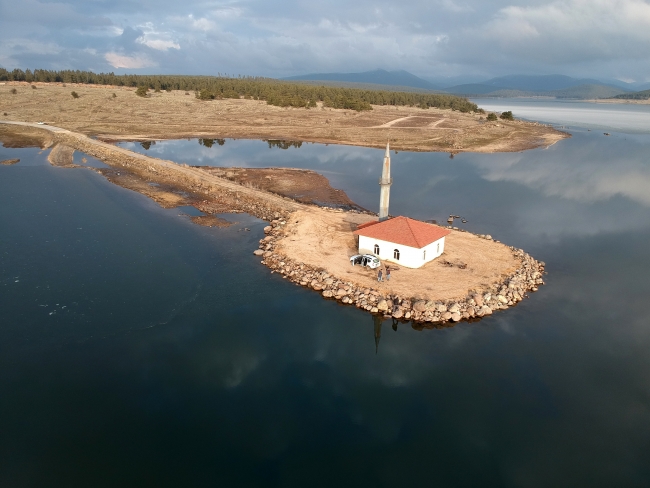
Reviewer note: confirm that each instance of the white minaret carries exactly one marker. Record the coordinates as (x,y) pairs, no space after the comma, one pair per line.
(385,183)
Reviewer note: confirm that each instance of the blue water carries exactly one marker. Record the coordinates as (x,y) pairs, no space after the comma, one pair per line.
(139,349)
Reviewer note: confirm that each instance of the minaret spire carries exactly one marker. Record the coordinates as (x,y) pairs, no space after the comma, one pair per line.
(385,183)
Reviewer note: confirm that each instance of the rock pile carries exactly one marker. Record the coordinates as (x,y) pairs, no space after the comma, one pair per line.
(528,277)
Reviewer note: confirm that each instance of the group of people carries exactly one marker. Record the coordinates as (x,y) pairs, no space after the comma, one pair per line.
(380,274)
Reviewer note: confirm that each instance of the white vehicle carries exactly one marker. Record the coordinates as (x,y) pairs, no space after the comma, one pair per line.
(368,260)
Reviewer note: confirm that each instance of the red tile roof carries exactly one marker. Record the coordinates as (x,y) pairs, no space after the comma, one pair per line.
(405,231)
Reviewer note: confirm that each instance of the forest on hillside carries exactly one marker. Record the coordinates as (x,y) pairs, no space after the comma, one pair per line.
(274,92)
(640,95)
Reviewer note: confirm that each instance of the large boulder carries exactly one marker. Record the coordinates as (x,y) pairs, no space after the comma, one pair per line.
(420,306)
(382,305)
(258,252)
(455,317)
(478,299)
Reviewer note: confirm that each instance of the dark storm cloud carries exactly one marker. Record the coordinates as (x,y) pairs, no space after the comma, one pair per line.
(431,38)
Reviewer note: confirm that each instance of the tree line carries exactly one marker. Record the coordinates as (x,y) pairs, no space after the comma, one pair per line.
(274,92)
(640,95)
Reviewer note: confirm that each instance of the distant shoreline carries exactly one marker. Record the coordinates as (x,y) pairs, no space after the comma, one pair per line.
(620,100)
(112,113)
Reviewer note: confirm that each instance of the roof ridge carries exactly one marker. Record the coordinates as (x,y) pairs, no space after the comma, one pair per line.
(415,234)
(408,224)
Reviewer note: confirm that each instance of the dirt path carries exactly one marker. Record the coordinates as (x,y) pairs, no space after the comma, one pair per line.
(391,123)
(193,178)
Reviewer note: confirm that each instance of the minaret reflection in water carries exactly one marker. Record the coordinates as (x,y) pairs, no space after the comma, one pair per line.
(378,321)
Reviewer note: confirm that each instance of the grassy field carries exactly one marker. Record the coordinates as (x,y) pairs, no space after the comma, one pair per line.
(116,113)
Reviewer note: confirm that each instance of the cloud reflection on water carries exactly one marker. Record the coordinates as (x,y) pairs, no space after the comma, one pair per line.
(585,170)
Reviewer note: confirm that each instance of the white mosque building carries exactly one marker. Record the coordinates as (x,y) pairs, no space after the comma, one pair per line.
(402,240)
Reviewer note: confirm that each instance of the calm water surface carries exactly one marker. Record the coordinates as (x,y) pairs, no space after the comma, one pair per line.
(138,349)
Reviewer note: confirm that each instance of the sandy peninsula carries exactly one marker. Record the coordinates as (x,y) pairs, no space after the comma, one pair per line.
(307,244)
(178,114)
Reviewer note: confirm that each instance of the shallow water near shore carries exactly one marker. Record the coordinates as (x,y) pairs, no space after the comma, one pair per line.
(137,348)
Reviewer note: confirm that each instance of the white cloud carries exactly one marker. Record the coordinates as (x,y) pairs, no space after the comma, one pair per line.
(158,44)
(202,24)
(592,28)
(129,62)
(155,39)
(452,6)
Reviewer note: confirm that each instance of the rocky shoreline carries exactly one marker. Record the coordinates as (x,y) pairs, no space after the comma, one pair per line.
(479,303)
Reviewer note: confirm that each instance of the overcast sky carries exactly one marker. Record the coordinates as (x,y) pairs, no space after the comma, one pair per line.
(430,38)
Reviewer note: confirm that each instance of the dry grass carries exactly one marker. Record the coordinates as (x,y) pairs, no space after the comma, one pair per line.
(169,115)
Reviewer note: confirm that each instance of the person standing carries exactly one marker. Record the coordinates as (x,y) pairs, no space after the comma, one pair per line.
(387,273)
(379,275)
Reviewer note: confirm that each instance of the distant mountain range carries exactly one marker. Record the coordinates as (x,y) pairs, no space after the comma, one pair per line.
(559,86)
(376,77)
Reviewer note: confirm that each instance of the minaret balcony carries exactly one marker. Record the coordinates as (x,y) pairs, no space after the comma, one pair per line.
(385,181)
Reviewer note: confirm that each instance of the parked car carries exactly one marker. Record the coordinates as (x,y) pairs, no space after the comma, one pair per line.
(368,260)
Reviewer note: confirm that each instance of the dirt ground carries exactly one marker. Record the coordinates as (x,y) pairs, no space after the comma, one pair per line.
(61,156)
(301,185)
(172,115)
(324,239)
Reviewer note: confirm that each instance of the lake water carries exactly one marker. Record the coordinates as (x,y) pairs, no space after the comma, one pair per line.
(139,349)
